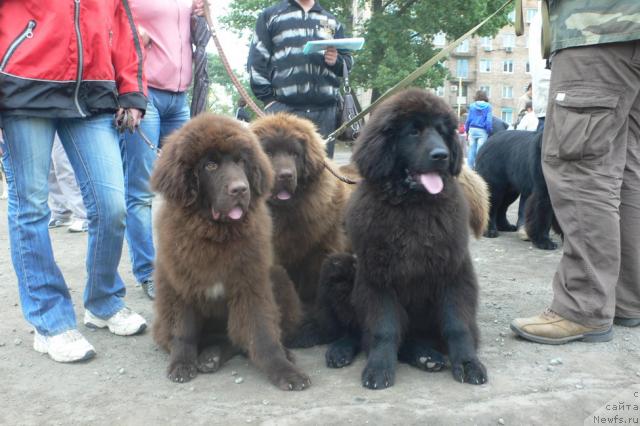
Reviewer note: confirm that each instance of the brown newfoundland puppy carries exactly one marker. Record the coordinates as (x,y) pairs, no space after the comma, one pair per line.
(410,294)
(307,202)
(214,292)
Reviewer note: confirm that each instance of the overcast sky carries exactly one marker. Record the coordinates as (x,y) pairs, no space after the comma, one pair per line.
(235,49)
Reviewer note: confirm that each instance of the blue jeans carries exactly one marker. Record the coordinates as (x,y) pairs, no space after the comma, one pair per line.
(166,112)
(477,137)
(92,147)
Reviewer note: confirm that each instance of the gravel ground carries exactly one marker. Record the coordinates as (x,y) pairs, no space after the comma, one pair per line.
(126,384)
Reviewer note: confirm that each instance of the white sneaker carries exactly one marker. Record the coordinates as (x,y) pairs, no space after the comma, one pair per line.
(79,225)
(69,346)
(125,322)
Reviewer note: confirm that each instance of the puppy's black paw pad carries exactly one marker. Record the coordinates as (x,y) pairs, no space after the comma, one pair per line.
(378,378)
(492,233)
(339,356)
(182,372)
(472,372)
(546,245)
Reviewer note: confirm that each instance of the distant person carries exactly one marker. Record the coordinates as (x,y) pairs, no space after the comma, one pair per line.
(241,112)
(479,125)
(529,120)
(284,78)
(48,85)
(65,198)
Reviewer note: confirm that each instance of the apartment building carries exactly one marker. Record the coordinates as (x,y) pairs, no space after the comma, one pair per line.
(498,65)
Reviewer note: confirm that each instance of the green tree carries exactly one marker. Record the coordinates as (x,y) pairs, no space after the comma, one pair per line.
(398,33)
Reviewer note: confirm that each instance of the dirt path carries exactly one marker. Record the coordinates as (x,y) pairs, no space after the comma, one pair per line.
(126,384)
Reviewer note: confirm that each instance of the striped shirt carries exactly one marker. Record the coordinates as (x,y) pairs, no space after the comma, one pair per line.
(277,67)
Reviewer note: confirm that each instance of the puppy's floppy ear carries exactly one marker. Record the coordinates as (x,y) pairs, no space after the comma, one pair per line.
(375,155)
(172,177)
(455,158)
(260,172)
(314,157)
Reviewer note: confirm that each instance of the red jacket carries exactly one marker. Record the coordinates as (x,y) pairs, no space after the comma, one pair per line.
(69,58)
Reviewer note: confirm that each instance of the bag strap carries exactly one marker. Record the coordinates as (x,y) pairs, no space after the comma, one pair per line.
(546,30)
(345,77)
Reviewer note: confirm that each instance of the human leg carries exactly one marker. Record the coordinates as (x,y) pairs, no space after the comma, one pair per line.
(584,153)
(628,288)
(44,296)
(474,136)
(92,147)
(138,160)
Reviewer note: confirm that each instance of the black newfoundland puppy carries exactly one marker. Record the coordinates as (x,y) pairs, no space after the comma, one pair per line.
(412,294)
(511,165)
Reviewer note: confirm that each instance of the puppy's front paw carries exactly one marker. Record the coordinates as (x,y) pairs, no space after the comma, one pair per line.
(472,372)
(182,372)
(209,360)
(340,354)
(378,376)
(291,379)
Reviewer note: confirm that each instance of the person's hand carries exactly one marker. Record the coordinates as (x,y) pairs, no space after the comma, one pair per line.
(330,56)
(198,7)
(128,118)
(144,36)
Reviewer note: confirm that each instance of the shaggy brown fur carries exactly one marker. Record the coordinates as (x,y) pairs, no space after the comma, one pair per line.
(307,202)
(476,191)
(214,295)
(410,294)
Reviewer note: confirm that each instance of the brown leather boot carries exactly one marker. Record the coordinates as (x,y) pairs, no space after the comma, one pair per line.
(551,329)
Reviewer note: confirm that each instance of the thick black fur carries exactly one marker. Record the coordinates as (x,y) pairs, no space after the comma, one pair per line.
(412,293)
(510,163)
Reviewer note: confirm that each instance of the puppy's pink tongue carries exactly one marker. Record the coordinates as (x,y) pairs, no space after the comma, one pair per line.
(283,195)
(432,182)
(236,213)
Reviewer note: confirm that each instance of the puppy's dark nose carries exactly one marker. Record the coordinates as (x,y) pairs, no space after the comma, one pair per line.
(237,188)
(439,154)
(285,174)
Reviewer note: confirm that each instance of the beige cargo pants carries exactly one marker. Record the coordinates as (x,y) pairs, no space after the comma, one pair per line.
(591,162)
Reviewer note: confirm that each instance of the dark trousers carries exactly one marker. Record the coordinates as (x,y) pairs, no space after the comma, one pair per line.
(591,162)
(325,119)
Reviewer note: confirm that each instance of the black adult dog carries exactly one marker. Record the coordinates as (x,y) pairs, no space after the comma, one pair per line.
(413,293)
(511,165)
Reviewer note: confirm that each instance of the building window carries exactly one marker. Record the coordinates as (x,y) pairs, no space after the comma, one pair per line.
(463,47)
(507,66)
(508,41)
(507,92)
(530,15)
(507,115)
(487,90)
(440,91)
(485,65)
(462,68)
(440,39)
(486,43)
(527,67)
